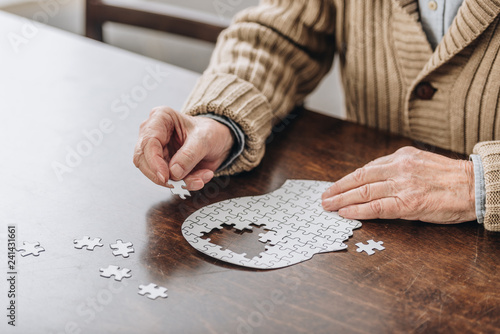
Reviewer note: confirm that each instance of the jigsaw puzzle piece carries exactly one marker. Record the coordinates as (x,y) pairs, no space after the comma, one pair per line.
(222,215)
(152,291)
(206,211)
(283,214)
(179,188)
(273,237)
(30,248)
(88,243)
(302,202)
(122,248)
(293,210)
(311,228)
(330,243)
(240,225)
(236,204)
(265,260)
(291,188)
(236,258)
(252,217)
(305,253)
(368,248)
(261,207)
(115,271)
(275,257)
(196,229)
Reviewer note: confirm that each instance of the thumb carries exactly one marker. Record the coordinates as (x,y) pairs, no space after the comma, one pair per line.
(186,158)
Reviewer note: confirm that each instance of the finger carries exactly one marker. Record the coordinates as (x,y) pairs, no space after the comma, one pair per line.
(186,158)
(148,157)
(157,175)
(155,159)
(381,161)
(160,125)
(197,180)
(362,176)
(149,154)
(364,194)
(383,208)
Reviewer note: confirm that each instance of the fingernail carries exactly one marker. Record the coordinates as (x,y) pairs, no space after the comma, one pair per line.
(197,184)
(176,171)
(325,194)
(161,177)
(207,176)
(343,212)
(326,203)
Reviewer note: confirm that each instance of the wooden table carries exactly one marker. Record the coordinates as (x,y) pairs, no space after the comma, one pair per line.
(59,90)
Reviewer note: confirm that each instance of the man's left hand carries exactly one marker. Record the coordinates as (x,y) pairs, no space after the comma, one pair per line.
(409,184)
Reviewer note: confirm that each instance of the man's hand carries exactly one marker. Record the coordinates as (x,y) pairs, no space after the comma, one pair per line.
(176,146)
(409,184)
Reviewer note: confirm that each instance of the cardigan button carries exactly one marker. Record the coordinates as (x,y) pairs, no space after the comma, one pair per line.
(424,91)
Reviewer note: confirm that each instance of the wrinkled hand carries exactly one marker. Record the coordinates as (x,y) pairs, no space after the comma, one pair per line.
(177,146)
(409,184)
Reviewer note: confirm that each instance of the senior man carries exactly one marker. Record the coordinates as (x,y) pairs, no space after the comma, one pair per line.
(426,69)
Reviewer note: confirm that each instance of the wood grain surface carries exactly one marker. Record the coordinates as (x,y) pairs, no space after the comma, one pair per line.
(59,88)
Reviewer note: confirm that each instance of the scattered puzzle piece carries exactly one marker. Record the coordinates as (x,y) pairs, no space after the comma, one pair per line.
(152,291)
(115,271)
(87,243)
(368,248)
(179,188)
(122,248)
(297,226)
(30,248)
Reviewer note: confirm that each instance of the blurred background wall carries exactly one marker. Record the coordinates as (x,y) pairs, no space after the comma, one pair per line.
(180,51)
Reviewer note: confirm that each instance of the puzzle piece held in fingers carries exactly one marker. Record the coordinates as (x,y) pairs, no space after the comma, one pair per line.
(179,188)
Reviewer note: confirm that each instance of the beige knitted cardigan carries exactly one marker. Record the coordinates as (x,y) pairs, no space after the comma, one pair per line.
(273,55)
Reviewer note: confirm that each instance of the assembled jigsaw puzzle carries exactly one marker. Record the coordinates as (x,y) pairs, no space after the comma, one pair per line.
(297,225)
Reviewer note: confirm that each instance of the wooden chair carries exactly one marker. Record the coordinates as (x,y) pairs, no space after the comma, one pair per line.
(175,20)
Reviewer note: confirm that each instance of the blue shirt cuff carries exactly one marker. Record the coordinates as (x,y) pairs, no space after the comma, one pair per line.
(480,187)
(239,136)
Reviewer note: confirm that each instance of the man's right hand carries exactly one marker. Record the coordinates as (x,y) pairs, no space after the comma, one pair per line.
(176,146)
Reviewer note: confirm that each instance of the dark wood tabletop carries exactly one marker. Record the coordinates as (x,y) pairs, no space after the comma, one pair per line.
(60,90)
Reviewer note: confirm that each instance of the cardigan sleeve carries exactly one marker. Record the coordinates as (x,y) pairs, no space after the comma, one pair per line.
(263,65)
(489,152)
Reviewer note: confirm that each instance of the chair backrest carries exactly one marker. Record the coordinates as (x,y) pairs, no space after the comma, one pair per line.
(171,19)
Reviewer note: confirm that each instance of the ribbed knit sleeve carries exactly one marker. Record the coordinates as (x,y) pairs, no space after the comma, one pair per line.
(490,156)
(263,65)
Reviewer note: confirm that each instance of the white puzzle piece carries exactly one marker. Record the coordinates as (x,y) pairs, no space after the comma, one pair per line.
(179,188)
(298,226)
(370,247)
(152,291)
(122,248)
(88,243)
(115,271)
(30,248)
